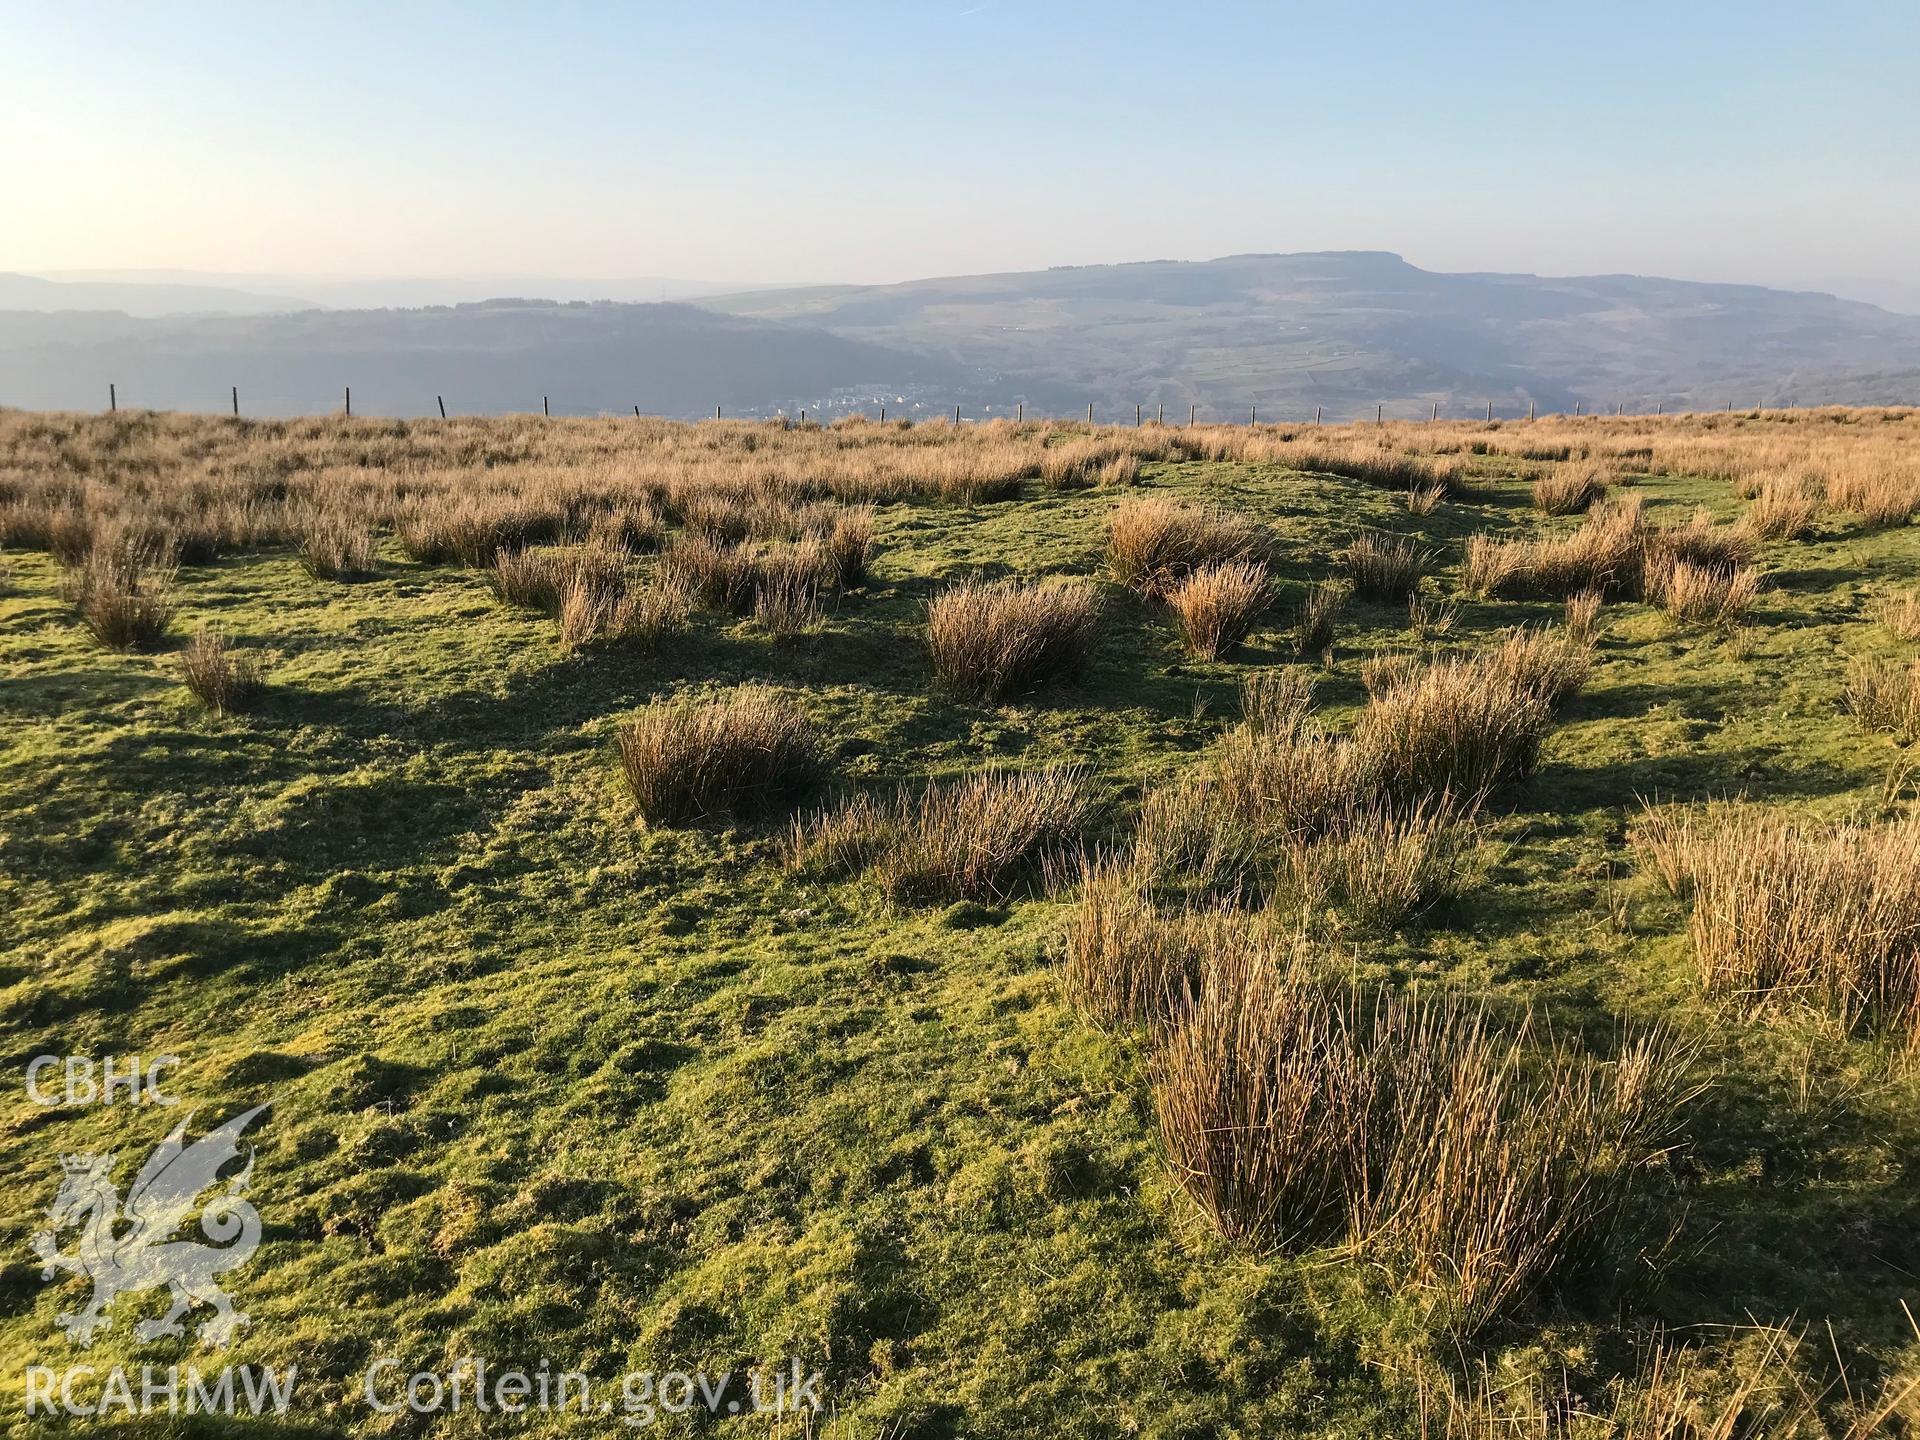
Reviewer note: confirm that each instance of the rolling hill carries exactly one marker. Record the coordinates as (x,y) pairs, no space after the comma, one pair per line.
(1351,329)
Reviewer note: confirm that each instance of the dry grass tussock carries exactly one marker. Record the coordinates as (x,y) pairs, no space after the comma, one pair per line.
(1456,726)
(748,753)
(1790,909)
(124,594)
(333,545)
(978,838)
(1697,594)
(1763,1388)
(1603,556)
(1899,611)
(1884,694)
(1463,725)
(1218,605)
(1570,488)
(1316,621)
(225,680)
(1783,509)
(1153,545)
(537,578)
(1384,569)
(1474,1162)
(993,640)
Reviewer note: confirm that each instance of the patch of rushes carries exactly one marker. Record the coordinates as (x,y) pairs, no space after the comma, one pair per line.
(1472,1161)
(978,838)
(748,753)
(1784,909)
(995,640)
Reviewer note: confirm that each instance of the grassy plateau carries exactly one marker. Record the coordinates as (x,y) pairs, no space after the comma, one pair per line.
(1064,931)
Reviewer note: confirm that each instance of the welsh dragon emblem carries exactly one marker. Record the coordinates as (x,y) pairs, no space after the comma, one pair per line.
(146,1254)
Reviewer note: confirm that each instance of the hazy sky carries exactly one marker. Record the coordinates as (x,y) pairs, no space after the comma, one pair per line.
(1756,142)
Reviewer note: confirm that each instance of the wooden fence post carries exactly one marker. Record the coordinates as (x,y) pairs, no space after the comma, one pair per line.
(1489,412)
(1529,409)
(1192,412)
(236,402)
(1160,414)
(113,398)
(1379,414)
(883,414)
(1020,414)
(1089,412)
(349,402)
(1136,417)
(543,407)
(1254,418)
(1316,414)
(1436,411)
(956,414)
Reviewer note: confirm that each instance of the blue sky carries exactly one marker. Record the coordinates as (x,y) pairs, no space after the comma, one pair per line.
(1765,143)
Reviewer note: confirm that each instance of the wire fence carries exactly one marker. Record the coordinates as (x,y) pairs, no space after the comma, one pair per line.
(1197,414)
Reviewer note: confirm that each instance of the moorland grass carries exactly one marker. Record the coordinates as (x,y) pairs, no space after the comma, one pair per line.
(747,754)
(997,639)
(597,1089)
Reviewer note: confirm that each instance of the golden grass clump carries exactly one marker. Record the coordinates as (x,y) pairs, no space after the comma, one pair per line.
(720,576)
(334,545)
(1126,963)
(537,578)
(1374,464)
(1461,725)
(1316,620)
(1386,863)
(847,548)
(1569,489)
(1783,509)
(1786,908)
(1702,594)
(1583,617)
(1764,1389)
(1289,780)
(1218,606)
(1884,497)
(1899,611)
(1603,555)
(225,680)
(1152,545)
(645,616)
(1540,661)
(788,581)
(124,595)
(1884,694)
(1383,569)
(748,753)
(1472,1162)
(995,639)
(977,838)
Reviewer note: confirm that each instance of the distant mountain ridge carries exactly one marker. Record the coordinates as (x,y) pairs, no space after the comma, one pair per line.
(1348,330)
(1338,332)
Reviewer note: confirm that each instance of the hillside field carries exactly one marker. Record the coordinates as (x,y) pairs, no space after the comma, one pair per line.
(1394,1025)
